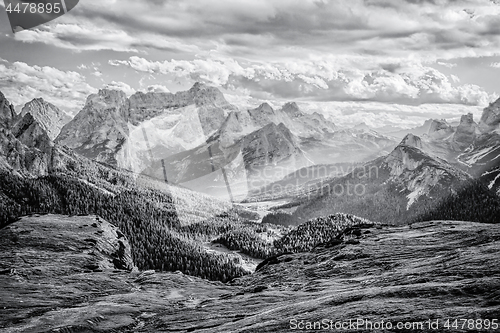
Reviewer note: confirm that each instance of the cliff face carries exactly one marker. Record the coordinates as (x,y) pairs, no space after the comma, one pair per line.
(465,133)
(7,113)
(269,146)
(125,131)
(24,145)
(29,132)
(490,119)
(419,175)
(100,129)
(47,115)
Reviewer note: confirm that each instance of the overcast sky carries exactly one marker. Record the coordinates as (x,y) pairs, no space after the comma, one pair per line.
(378,61)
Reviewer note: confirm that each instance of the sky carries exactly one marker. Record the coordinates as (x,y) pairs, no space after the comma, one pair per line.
(382,62)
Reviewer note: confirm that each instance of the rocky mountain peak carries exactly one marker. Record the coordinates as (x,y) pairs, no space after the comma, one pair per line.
(7,113)
(490,119)
(438,125)
(111,96)
(406,156)
(100,129)
(48,116)
(265,107)
(467,119)
(292,109)
(29,132)
(466,132)
(197,87)
(263,115)
(412,141)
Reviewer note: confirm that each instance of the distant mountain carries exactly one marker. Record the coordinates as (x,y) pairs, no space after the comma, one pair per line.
(432,127)
(466,133)
(320,139)
(490,119)
(362,126)
(301,124)
(481,157)
(400,185)
(255,159)
(168,135)
(472,147)
(300,183)
(47,115)
(129,132)
(347,146)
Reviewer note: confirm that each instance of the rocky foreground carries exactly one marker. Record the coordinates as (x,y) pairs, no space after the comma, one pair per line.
(74,274)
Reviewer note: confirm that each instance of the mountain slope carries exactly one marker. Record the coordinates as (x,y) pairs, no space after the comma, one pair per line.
(402,186)
(129,132)
(7,113)
(229,172)
(100,129)
(47,115)
(25,147)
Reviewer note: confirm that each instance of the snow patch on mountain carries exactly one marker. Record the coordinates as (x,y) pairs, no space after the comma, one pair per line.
(477,156)
(494,181)
(422,184)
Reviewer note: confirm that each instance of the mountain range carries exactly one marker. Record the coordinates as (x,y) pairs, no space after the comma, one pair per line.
(197,140)
(154,133)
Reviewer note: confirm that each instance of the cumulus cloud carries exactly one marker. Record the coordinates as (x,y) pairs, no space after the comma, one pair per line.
(325,79)
(114,85)
(214,71)
(21,83)
(157,88)
(374,114)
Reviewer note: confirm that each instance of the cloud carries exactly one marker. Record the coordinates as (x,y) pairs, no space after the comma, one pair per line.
(262,29)
(114,85)
(495,65)
(157,88)
(216,72)
(327,78)
(322,50)
(21,83)
(346,114)
(447,64)
(89,37)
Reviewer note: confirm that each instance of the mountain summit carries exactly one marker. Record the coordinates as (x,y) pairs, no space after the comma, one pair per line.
(125,131)
(490,120)
(7,113)
(48,116)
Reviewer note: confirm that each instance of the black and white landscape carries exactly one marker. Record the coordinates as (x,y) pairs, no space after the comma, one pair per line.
(260,167)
